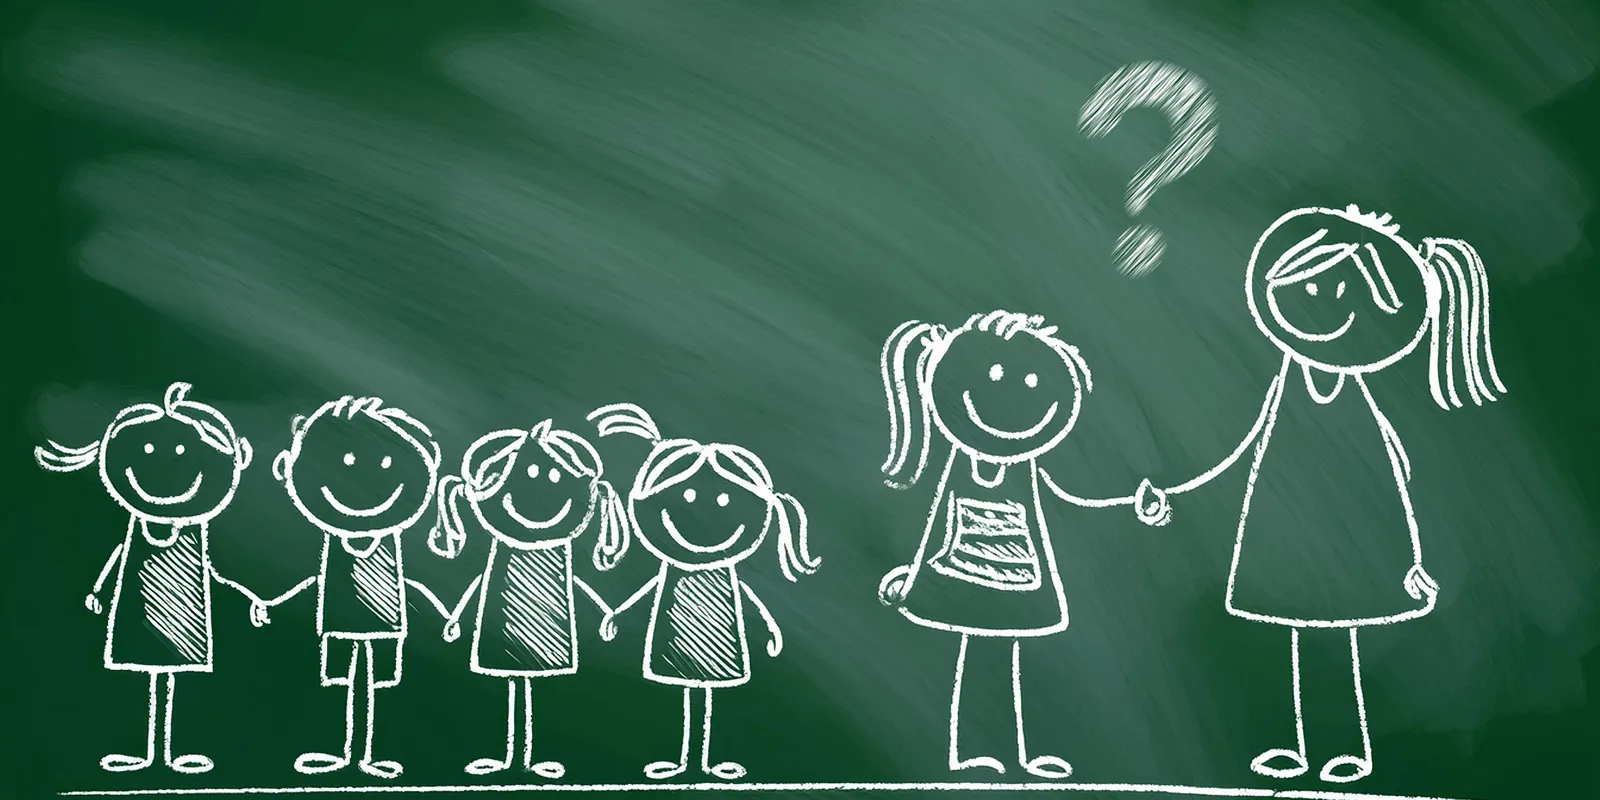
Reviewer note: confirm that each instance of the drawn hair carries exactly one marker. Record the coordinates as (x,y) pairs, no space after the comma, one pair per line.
(210,424)
(491,461)
(404,425)
(907,386)
(673,461)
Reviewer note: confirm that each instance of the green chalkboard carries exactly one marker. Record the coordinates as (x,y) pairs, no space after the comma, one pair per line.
(493,213)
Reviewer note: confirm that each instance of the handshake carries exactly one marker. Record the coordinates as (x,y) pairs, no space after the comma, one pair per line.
(1150,505)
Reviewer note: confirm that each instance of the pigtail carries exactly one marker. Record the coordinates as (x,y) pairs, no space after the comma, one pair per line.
(448,537)
(907,400)
(612,543)
(624,418)
(1458,306)
(794,554)
(60,458)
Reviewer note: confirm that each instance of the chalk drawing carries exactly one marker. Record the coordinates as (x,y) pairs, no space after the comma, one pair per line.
(335,458)
(701,509)
(534,503)
(160,616)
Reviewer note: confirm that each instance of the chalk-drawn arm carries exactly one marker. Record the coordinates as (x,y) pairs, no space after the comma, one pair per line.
(258,609)
(1417,582)
(1086,502)
(896,583)
(427,594)
(1269,410)
(92,601)
(594,596)
(608,625)
(452,620)
(775,644)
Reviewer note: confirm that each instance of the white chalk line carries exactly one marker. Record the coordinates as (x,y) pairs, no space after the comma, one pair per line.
(1037,786)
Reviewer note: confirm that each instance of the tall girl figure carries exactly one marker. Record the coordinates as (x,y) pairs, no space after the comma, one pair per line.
(533,501)
(173,468)
(702,509)
(1001,390)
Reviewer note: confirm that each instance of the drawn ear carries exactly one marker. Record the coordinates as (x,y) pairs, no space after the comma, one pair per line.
(245,453)
(280,466)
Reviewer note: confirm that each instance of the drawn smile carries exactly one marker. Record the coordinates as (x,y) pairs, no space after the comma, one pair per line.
(534,524)
(666,520)
(361,512)
(972,414)
(157,499)
(1272,302)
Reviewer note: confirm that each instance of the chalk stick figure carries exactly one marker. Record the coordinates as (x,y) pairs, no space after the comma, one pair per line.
(363,473)
(702,509)
(533,501)
(174,468)
(1344,296)
(1001,389)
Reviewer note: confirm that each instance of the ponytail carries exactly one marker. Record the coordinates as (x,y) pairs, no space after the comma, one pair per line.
(793,552)
(449,536)
(612,543)
(60,458)
(1458,303)
(905,387)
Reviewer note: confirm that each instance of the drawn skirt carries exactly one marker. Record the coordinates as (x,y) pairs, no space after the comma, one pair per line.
(160,618)
(697,635)
(526,624)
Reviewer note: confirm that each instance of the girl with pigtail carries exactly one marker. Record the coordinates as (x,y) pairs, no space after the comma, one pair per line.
(533,501)
(702,509)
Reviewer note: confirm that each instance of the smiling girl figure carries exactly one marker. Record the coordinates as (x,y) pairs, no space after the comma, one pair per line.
(1002,389)
(533,501)
(173,467)
(702,509)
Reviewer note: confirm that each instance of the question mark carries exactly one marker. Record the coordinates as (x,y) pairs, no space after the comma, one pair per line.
(1187,103)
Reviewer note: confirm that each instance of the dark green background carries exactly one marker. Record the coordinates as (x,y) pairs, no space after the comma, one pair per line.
(1152,684)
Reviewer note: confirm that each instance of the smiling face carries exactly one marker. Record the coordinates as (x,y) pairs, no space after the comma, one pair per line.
(1004,399)
(540,501)
(160,469)
(703,521)
(358,477)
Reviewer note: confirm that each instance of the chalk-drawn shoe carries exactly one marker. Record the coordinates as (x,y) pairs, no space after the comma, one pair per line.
(319,763)
(548,769)
(487,766)
(662,770)
(1345,769)
(728,771)
(381,769)
(978,761)
(191,764)
(1280,763)
(1050,767)
(121,763)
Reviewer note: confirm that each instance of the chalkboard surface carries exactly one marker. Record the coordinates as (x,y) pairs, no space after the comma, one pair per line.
(492,214)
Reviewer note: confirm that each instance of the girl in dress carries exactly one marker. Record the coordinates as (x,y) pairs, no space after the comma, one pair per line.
(173,467)
(702,509)
(533,501)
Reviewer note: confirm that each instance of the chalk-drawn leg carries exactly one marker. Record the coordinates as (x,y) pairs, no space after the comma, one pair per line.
(377,769)
(1278,762)
(121,763)
(1042,766)
(486,766)
(318,763)
(1348,768)
(956,763)
(727,770)
(661,770)
(544,769)
(191,764)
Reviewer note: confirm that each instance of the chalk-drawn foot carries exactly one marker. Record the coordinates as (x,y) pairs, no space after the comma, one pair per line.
(121,763)
(1345,769)
(728,771)
(381,769)
(191,764)
(662,770)
(1048,767)
(318,763)
(548,769)
(1280,763)
(978,761)
(487,766)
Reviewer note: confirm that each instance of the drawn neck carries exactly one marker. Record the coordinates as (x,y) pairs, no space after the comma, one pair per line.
(144,529)
(1314,376)
(350,546)
(979,466)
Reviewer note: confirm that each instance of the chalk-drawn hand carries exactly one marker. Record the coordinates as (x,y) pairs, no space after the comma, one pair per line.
(452,630)
(1419,583)
(1151,506)
(258,614)
(92,603)
(895,585)
(774,647)
(608,627)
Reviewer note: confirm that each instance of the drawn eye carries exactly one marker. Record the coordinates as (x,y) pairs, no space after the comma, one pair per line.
(178,449)
(349,459)
(533,471)
(555,475)
(688,495)
(996,372)
(149,448)
(1031,380)
(387,460)
(1311,289)
(1339,292)
(722,499)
